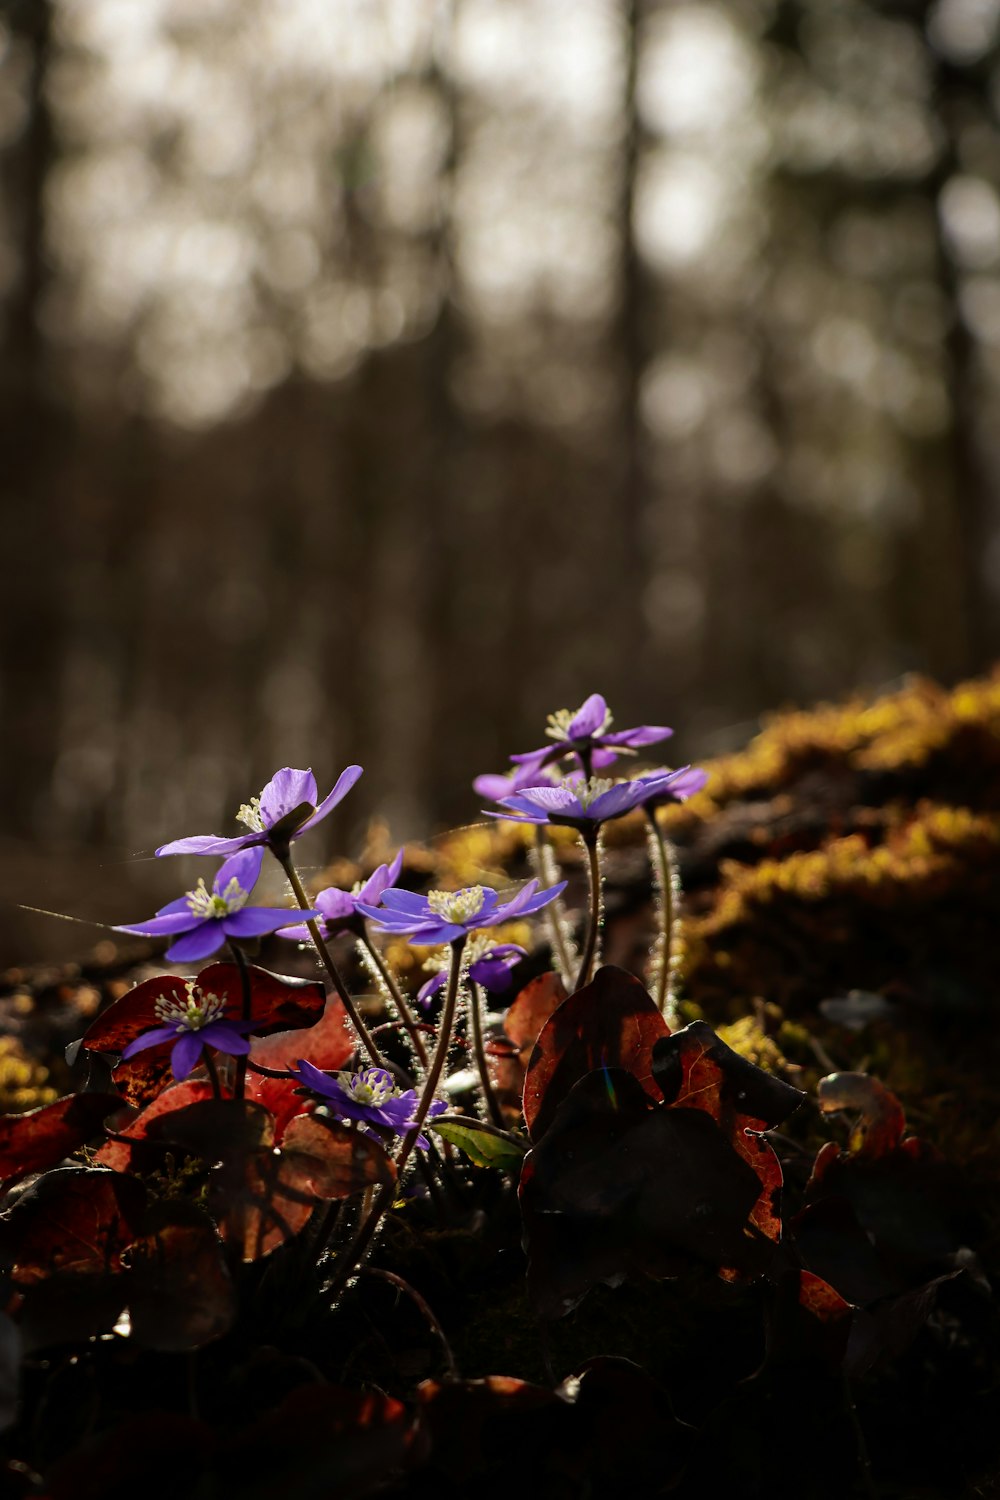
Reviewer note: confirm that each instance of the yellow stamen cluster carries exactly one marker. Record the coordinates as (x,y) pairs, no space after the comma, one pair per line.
(205,903)
(558,724)
(250,815)
(457,906)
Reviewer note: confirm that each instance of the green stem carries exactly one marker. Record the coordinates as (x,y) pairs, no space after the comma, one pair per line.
(589,837)
(554,912)
(239,1087)
(355,1252)
(285,860)
(667,880)
(398,998)
(476,1027)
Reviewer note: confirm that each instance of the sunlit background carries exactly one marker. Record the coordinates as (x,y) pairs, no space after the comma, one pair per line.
(379,375)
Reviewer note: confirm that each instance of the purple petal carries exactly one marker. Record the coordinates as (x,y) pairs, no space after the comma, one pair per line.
(643,734)
(505,950)
(534,760)
(186,1053)
(427,991)
(225,1038)
(317,1082)
(300,932)
(599,758)
(529,899)
(243,867)
(154,1038)
(382,879)
(614,803)
(680,785)
(210,843)
(588,718)
(335,904)
(286,790)
(162,926)
(345,781)
(254,921)
(407,901)
(491,973)
(204,939)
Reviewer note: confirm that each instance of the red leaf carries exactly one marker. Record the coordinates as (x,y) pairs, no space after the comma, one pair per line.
(327,1045)
(610,1023)
(532,1008)
(42,1138)
(119,1154)
(284,1098)
(73,1220)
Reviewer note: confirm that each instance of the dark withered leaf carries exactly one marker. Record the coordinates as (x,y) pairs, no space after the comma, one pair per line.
(180,1293)
(612,1022)
(43,1137)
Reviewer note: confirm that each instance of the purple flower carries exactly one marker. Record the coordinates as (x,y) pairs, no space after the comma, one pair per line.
(289,804)
(444,916)
(368,1096)
(203,919)
(339,909)
(193,1025)
(577,802)
(489,965)
(585,734)
(506,783)
(679,786)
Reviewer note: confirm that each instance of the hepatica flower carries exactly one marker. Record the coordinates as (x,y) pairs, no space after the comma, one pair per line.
(506,783)
(580,803)
(663,786)
(368,1096)
(192,1025)
(489,965)
(445,916)
(203,919)
(287,808)
(340,911)
(586,733)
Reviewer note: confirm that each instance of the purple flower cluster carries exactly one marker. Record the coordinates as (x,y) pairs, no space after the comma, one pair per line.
(369,1097)
(342,911)
(490,966)
(586,733)
(202,919)
(446,916)
(192,1025)
(580,803)
(286,809)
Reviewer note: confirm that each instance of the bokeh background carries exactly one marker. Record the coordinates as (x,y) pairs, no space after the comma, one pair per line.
(378,375)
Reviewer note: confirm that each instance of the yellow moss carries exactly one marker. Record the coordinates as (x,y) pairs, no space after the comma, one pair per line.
(24,1083)
(748,1037)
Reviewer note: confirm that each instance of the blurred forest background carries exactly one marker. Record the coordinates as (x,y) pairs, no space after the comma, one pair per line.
(378,375)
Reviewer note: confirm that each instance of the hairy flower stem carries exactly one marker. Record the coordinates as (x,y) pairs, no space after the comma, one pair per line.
(476,1027)
(667,884)
(284,858)
(590,839)
(239,1087)
(548,875)
(398,998)
(213,1074)
(369,1222)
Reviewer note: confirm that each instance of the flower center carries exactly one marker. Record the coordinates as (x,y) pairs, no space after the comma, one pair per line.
(559,722)
(587,792)
(457,906)
(206,905)
(250,815)
(372,1086)
(193,1013)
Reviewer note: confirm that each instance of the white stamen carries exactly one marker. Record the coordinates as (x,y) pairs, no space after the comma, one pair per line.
(457,906)
(250,815)
(191,1014)
(207,905)
(368,1086)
